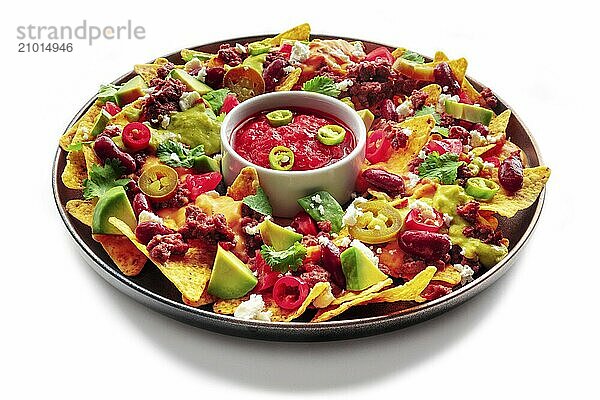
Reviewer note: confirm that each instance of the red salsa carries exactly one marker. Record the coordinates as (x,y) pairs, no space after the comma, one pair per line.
(255,138)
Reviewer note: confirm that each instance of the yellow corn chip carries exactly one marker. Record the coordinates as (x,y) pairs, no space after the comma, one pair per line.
(76,133)
(189,273)
(409,291)
(227,307)
(129,113)
(149,71)
(440,56)
(282,315)
(498,125)
(300,32)
(90,158)
(67,137)
(471,92)
(507,204)
(245,184)
(459,68)
(75,171)
(289,81)
(477,151)
(433,92)
(123,252)
(351,295)
(449,275)
(420,127)
(204,300)
(398,52)
(83,210)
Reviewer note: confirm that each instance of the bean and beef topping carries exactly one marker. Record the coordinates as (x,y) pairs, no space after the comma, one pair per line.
(210,229)
(163,247)
(163,99)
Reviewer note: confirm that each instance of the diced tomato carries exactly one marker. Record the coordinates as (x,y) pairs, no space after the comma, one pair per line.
(492,159)
(304,224)
(286,49)
(229,103)
(446,146)
(289,292)
(464,98)
(378,147)
(381,53)
(198,184)
(266,276)
(112,108)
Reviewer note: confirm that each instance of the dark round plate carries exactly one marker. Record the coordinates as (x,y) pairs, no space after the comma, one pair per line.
(151,288)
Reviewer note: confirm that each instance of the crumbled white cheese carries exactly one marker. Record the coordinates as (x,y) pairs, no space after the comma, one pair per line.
(218,157)
(174,157)
(289,228)
(379,250)
(212,193)
(166,120)
(188,99)
(358,51)
(193,64)
(240,48)
(494,139)
(324,299)
(321,209)
(300,52)
(426,210)
(345,242)
(289,69)
(317,198)
(444,88)
(422,155)
(413,179)
(447,219)
(322,240)
(365,250)
(441,106)
(488,165)
(252,230)
(350,218)
(340,54)
(477,139)
(147,216)
(201,75)
(344,85)
(405,109)
(466,273)
(407,131)
(253,309)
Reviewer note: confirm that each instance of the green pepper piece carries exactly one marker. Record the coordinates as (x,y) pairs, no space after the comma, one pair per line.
(281,158)
(481,188)
(279,117)
(322,206)
(261,47)
(331,135)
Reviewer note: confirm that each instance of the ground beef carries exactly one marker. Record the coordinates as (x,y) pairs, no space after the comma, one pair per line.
(463,173)
(488,98)
(146,230)
(181,198)
(458,132)
(413,164)
(398,139)
(164,70)
(140,159)
(210,229)
(162,247)
(447,120)
(446,79)
(163,100)
(469,211)
(309,240)
(484,233)
(417,98)
(274,74)
(411,267)
(248,212)
(324,226)
(253,242)
(314,274)
(229,55)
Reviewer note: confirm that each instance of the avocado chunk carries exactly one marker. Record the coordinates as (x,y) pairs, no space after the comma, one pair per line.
(359,270)
(367,117)
(469,112)
(230,277)
(206,164)
(100,122)
(256,62)
(113,203)
(188,54)
(195,126)
(131,91)
(190,82)
(276,236)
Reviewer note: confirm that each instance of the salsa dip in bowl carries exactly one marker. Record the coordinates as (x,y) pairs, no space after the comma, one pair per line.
(299,143)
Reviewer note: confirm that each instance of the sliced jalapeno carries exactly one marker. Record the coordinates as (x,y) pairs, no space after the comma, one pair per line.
(379,223)
(279,117)
(331,135)
(481,188)
(158,182)
(281,158)
(261,47)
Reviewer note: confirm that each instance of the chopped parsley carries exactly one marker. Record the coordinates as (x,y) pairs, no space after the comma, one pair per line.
(175,154)
(444,167)
(412,56)
(284,260)
(103,178)
(321,84)
(259,202)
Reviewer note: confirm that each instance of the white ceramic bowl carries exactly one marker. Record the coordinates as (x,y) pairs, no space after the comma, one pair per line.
(284,188)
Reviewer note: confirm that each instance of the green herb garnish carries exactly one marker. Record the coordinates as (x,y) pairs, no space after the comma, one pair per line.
(321,84)
(284,260)
(175,154)
(429,110)
(412,56)
(103,178)
(259,202)
(444,167)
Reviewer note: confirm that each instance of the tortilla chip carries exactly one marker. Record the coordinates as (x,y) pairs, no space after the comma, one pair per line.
(90,158)
(75,134)
(245,184)
(67,137)
(75,171)
(459,68)
(449,275)
(189,273)
(123,252)
(498,125)
(289,81)
(129,113)
(507,204)
(82,210)
(440,56)
(398,163)
(407,292)
(433,92)
(227,307)
(471,92)
(351,295)
(477,151)
(300,32)
(398,52)
(204,300)
(149,71)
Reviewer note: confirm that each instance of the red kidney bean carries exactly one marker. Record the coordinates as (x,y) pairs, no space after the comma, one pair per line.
(427,245)
(105,148)
(510,173)
(388,111)
(458,132)
(214,77)
(141,203)
(330,256)
(387,182)
(148,229)
(482,129)
(445,78)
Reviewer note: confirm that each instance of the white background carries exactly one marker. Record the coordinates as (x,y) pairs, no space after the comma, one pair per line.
(66,333)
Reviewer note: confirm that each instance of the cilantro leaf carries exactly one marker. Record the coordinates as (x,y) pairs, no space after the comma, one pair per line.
(321,84)
(444,167)
(175,154)
(259,202)
(107,93)
(412,56)
(284,260)
(215,99)
(103,178)
(77,146)
(428,110)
